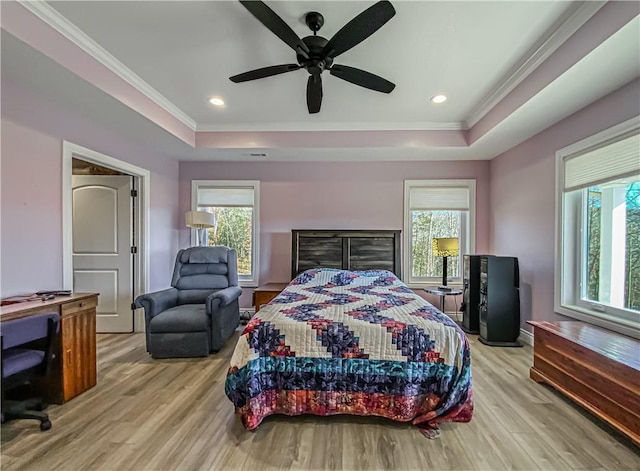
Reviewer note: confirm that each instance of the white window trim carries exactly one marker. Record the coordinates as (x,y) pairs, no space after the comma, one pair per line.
(568,248)
(246,282)
(467,239)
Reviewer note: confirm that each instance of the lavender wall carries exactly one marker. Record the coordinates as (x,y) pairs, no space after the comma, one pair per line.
(31,176)
(334,195)
(522,200)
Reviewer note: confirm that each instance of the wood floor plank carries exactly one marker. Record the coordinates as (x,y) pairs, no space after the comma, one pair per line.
(147,414)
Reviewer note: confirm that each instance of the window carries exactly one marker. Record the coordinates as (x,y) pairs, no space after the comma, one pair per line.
(235,206)
(434,209)
(598,229)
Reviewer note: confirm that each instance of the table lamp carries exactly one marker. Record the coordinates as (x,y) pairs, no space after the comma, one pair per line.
(445,247)
(200,220)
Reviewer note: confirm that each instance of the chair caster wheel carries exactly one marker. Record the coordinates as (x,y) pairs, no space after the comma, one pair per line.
(46,425)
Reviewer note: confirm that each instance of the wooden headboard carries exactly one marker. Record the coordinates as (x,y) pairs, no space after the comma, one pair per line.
(348,250)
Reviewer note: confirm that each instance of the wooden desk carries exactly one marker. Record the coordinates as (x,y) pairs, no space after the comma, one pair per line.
(264,294)
(74,369)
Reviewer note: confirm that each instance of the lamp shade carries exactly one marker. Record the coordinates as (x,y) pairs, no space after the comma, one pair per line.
(200,219)
(445,246)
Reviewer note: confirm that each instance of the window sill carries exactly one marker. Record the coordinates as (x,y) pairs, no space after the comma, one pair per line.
(622,326)
(422,285)
(248,284)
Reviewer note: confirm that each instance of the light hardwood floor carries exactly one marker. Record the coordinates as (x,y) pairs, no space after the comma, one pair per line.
(149,414)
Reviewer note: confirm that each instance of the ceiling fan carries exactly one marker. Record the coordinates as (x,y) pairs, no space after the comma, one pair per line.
(315,54)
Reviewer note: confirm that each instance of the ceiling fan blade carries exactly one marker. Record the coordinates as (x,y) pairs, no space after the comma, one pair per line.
(264,72)
(363,78)
(271,20)
(359,28)
(314,93)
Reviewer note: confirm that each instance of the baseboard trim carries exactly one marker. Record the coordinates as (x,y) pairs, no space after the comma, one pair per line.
(526,337)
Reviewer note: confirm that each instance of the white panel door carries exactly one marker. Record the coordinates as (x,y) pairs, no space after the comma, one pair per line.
(102,240)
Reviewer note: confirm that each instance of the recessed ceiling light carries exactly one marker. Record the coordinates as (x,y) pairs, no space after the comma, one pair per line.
(438,99)
(216,101)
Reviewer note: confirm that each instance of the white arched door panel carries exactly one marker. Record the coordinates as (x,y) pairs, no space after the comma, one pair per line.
(102,241)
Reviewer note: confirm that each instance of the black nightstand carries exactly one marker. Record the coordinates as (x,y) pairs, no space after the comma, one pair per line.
(442,293)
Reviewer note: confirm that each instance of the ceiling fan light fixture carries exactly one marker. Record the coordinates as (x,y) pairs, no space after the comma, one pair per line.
(216,101)
(438,99)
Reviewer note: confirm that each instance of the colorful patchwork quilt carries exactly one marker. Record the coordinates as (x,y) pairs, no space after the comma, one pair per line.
(351,342)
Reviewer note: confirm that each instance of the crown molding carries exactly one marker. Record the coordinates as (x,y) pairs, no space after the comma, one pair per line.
(55,20)
(557,35)
(331,126)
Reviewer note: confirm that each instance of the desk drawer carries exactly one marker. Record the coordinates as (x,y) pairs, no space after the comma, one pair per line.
(78,306)
(78,352)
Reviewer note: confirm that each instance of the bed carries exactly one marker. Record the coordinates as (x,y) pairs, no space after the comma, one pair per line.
(357,342)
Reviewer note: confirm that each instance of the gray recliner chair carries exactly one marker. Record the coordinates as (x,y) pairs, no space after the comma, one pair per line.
(198,314)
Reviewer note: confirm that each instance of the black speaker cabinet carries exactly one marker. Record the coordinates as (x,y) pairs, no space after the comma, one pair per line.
(499,301)
(471,294)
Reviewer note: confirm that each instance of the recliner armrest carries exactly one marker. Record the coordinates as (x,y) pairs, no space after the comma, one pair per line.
(156,302)
(223,297)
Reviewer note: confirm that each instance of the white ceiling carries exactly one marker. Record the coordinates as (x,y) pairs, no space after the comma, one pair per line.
(184,52)
(188,50)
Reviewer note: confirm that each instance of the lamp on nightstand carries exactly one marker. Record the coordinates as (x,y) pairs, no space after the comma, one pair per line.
(200,220)
(445,247)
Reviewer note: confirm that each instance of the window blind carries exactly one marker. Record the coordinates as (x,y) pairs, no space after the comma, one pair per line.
(439,198)
(218,196)
(608,162)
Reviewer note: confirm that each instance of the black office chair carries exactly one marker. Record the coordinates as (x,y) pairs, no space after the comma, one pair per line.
(27,352)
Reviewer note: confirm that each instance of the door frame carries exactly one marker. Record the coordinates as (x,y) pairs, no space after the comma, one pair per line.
(141,268)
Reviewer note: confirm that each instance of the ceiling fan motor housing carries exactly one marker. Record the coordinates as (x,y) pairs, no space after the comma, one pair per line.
(316,58)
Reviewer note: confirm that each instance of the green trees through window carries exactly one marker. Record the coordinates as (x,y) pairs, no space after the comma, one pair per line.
(425,226)
(632,252)
(608,224)
(234,230)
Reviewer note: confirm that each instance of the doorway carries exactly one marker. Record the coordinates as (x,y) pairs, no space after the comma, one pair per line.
(105,234)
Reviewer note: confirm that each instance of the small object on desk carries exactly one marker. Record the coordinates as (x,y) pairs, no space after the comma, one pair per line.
(23,298)
(39,295)
(55,292)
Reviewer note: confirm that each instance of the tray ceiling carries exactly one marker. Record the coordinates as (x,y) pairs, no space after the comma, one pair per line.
(148,68)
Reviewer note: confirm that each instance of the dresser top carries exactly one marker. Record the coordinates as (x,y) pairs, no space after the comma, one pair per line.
(272,287)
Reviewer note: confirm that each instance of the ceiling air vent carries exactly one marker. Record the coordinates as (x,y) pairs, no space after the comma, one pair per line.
(255,154)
